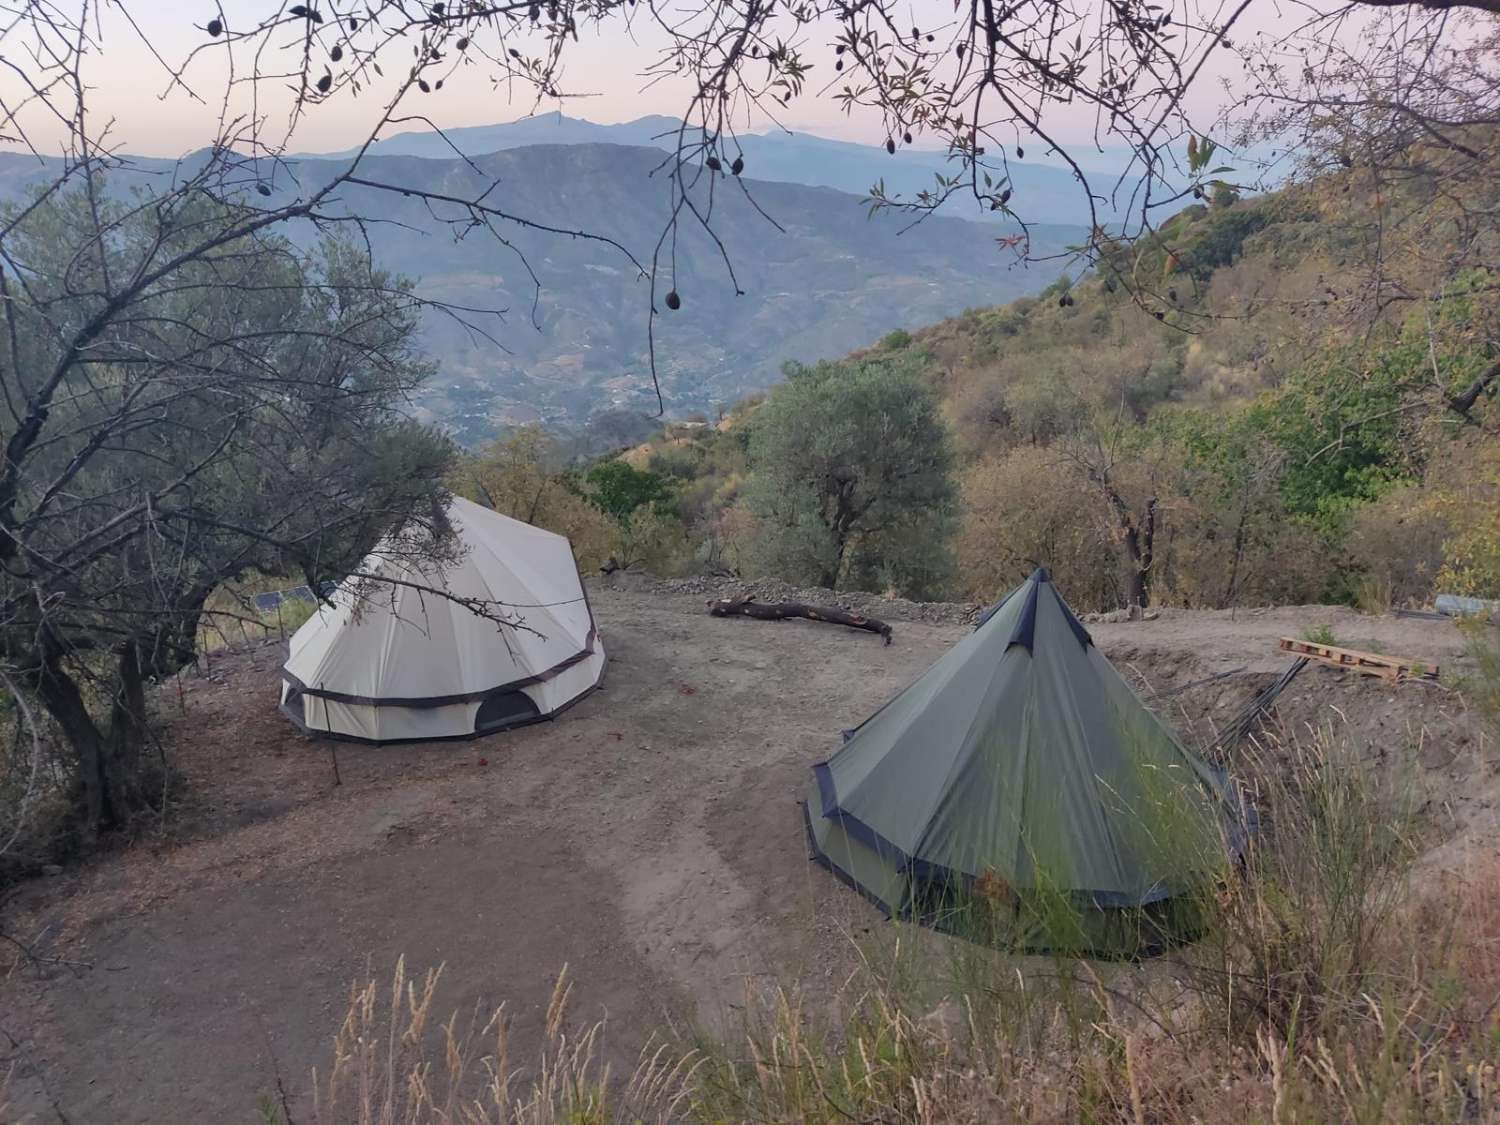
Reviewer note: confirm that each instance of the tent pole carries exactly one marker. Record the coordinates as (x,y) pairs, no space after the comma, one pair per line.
(333,743)
(333,752)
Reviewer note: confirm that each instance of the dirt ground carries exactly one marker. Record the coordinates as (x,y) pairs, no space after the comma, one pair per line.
(650,838)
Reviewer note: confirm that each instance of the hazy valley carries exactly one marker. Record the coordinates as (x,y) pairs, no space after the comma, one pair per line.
(573,338)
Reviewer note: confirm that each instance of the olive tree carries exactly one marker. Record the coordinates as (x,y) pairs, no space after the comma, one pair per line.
(851,476)
(184,400)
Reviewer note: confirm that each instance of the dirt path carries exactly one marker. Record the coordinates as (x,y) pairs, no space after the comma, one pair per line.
(650,838)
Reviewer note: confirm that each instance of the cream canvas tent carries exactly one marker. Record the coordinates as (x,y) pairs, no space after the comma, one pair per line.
(401,663)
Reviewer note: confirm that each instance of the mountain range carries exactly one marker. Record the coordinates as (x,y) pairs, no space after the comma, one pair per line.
(1041,193)
(574,339)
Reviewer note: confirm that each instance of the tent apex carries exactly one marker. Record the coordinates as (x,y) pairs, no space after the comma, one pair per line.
(1024,633)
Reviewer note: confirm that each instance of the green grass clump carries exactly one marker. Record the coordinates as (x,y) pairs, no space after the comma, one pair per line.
(1319,635)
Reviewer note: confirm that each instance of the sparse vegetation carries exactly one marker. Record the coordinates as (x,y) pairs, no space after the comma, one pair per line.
(1329,987)
(382,1074)
(1271,439)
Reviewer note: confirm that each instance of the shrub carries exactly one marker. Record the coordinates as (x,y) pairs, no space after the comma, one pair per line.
(1471,506)
(617,489)
(680,460)
(1027,509)
(851,477)
(520,476)
(1320,634)
(1396,547)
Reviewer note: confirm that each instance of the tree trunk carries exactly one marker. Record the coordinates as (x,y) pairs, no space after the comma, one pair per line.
(127,730)
(175,644)
(1139,540)
(840,526)
(1137,592)
(1148,552)
(1239,554)
(60,695)
(108,762)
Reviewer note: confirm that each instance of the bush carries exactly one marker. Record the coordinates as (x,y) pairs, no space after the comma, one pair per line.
(1026,509)
(654,538)
(617,489)
(521,476)
(1469,502)
(1320,635)
(850,478)
(681,460)
(1396,547)
(1310,936)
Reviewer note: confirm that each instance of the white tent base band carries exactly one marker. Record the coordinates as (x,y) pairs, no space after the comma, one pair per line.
(385,723)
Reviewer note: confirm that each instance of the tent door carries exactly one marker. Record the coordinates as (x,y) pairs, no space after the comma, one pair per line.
(505,710)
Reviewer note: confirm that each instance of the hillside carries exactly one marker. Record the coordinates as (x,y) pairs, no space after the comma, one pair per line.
(1226,412)
(1044,194)
(833,281)
(1211,426)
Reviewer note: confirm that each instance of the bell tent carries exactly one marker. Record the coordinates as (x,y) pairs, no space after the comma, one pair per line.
(1019,792)
(391,660)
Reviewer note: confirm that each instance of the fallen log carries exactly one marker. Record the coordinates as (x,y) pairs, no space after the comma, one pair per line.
(747,606)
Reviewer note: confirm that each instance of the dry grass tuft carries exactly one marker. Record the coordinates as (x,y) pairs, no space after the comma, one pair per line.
(392,1067)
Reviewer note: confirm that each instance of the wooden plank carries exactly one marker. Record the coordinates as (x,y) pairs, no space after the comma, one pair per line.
(1369,663)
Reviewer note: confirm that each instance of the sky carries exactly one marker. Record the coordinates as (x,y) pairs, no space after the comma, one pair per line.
(130,87)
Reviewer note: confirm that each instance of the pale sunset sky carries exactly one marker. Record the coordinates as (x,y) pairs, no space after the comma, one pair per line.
(130,87)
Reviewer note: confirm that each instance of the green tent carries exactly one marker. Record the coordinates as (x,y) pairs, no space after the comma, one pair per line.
(1019,792)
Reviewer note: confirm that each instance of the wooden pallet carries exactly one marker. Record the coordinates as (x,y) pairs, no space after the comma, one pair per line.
(1390,668)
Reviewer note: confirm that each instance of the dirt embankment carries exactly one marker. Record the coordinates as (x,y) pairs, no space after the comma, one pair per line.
(650,838)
